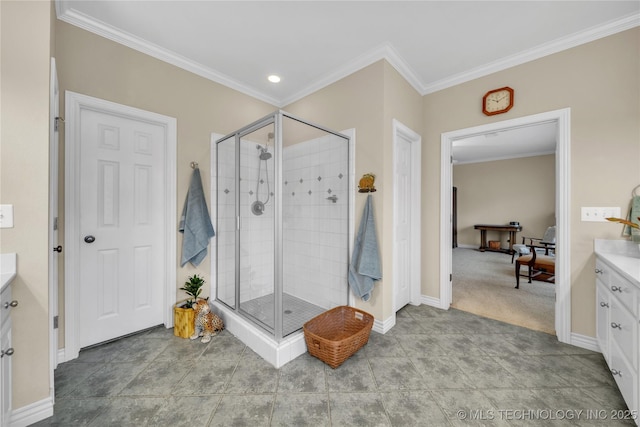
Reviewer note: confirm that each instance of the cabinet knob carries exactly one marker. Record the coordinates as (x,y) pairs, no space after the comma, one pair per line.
(604,304)
(616,373)
(598,271)
(616,325)
(13,303)
(616,289)
(7,352)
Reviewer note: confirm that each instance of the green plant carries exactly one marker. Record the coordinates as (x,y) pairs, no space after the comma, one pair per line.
(193,288)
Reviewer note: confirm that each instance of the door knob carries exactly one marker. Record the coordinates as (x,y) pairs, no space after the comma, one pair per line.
(89,239)
(57,249)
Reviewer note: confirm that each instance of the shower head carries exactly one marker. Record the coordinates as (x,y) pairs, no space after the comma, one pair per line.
(265,155)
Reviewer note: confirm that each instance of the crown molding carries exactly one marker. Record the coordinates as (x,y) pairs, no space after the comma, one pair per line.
(385,51)
(71,16)
(564,43)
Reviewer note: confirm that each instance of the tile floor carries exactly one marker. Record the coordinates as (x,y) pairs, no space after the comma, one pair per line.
(434,368)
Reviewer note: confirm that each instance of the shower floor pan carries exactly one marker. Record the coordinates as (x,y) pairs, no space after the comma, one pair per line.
(296,311)
(262,342)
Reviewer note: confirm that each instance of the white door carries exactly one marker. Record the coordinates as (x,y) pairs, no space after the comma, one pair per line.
(402,222)
(122,225)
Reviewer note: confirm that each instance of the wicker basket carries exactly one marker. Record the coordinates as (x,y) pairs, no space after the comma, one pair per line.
(337,334)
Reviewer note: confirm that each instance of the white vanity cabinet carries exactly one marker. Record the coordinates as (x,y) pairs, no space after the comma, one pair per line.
(6,353)
(617,319)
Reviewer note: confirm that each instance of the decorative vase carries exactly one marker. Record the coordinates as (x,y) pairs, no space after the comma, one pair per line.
(183,320)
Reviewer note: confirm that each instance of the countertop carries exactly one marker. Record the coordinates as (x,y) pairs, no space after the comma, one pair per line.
(7,269)
(622,255)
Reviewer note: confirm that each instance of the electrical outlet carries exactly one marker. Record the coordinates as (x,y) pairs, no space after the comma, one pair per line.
(6,216)
(599,214)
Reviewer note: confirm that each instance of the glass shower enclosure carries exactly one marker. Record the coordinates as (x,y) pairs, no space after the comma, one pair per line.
(282,222)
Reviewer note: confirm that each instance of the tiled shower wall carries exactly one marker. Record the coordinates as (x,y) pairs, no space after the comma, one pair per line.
(315,227)
(315,235)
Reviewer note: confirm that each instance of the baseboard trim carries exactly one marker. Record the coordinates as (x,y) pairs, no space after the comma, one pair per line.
(384,326)
(32,413)
(583,341)
(431,301)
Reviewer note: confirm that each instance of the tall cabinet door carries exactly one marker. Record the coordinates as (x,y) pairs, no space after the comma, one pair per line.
(5,373)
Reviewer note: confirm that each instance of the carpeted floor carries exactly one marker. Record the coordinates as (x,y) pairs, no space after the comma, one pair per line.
(484,284)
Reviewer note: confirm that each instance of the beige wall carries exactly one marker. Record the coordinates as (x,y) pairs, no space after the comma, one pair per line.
(498,192)
(368,100)
(95,66)
(24,176)
(599,81)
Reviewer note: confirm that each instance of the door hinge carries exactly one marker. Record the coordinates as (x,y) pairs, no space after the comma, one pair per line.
(55,322)
(450,277)
(56,123)
(55,223)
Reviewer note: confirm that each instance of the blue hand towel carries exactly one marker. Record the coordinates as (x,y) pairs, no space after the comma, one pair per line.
(365,260)
(195,223)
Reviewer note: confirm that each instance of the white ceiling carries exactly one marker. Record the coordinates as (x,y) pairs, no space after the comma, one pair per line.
(433,44)
(525,141)
(310,44)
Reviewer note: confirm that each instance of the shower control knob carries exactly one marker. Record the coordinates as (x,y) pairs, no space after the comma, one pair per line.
(89,239)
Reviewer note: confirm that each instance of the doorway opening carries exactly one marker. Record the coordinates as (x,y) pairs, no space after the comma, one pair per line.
(561,119)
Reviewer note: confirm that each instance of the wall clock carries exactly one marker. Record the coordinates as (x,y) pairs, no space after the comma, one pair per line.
(497,101)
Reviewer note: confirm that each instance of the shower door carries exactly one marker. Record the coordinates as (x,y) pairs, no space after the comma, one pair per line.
(226,232)
(257,230)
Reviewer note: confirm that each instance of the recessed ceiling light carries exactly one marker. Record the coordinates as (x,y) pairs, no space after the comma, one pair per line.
(274,79)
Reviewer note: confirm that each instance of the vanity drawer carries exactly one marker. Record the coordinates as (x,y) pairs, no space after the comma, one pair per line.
(626,378)
(623,330)
(602,272)
(624,290)
(6,304)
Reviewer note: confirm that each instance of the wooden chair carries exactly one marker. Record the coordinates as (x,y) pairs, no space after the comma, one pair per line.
(546,242)
(541,267)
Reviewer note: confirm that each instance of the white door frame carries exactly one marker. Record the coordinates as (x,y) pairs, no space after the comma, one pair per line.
(54,144)
(74,104)
(402,131)
(563,278)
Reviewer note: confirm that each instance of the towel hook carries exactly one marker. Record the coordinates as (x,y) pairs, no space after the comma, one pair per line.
(194,165)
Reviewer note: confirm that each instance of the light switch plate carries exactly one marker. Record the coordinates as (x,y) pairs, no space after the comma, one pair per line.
(6,216)
(599,214)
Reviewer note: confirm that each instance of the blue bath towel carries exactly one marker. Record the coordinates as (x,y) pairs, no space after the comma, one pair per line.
(195,223)
(364,269)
